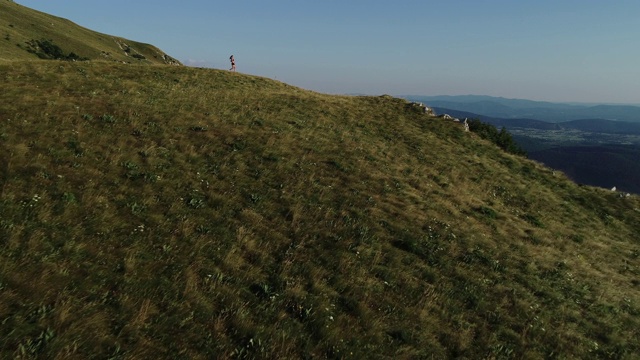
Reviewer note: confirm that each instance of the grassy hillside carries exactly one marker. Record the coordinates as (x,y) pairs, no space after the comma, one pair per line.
(25,33)
(180,213)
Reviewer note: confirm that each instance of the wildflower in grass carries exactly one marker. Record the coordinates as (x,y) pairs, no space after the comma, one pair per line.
(139,229)
(31,202)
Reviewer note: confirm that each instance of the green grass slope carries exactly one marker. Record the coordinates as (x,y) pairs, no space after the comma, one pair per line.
(178,213)
(21,28)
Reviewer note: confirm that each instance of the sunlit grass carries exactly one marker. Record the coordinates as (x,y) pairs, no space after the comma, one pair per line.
(188,213)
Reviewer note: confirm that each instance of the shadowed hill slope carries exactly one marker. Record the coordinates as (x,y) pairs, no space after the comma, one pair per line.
(172,212)
(27,34)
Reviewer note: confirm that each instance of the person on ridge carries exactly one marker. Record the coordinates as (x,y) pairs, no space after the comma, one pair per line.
(233,63)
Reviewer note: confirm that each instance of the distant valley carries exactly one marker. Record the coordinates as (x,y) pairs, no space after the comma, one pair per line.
(593,144)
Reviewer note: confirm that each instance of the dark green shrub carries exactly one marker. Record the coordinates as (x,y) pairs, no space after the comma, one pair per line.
(501,138)
(46,49)
(487,211)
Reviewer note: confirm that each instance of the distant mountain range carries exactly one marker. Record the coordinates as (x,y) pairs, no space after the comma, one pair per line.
(499,107)
(591,125)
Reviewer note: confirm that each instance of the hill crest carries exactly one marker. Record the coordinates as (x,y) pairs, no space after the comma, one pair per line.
(28,34)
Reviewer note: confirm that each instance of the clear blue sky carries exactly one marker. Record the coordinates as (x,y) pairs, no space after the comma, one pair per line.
(554,50)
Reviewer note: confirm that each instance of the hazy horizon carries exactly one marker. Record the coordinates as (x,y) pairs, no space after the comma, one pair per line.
(578,103)
(557,51)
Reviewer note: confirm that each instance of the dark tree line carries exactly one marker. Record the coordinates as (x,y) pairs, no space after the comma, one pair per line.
(501,138)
